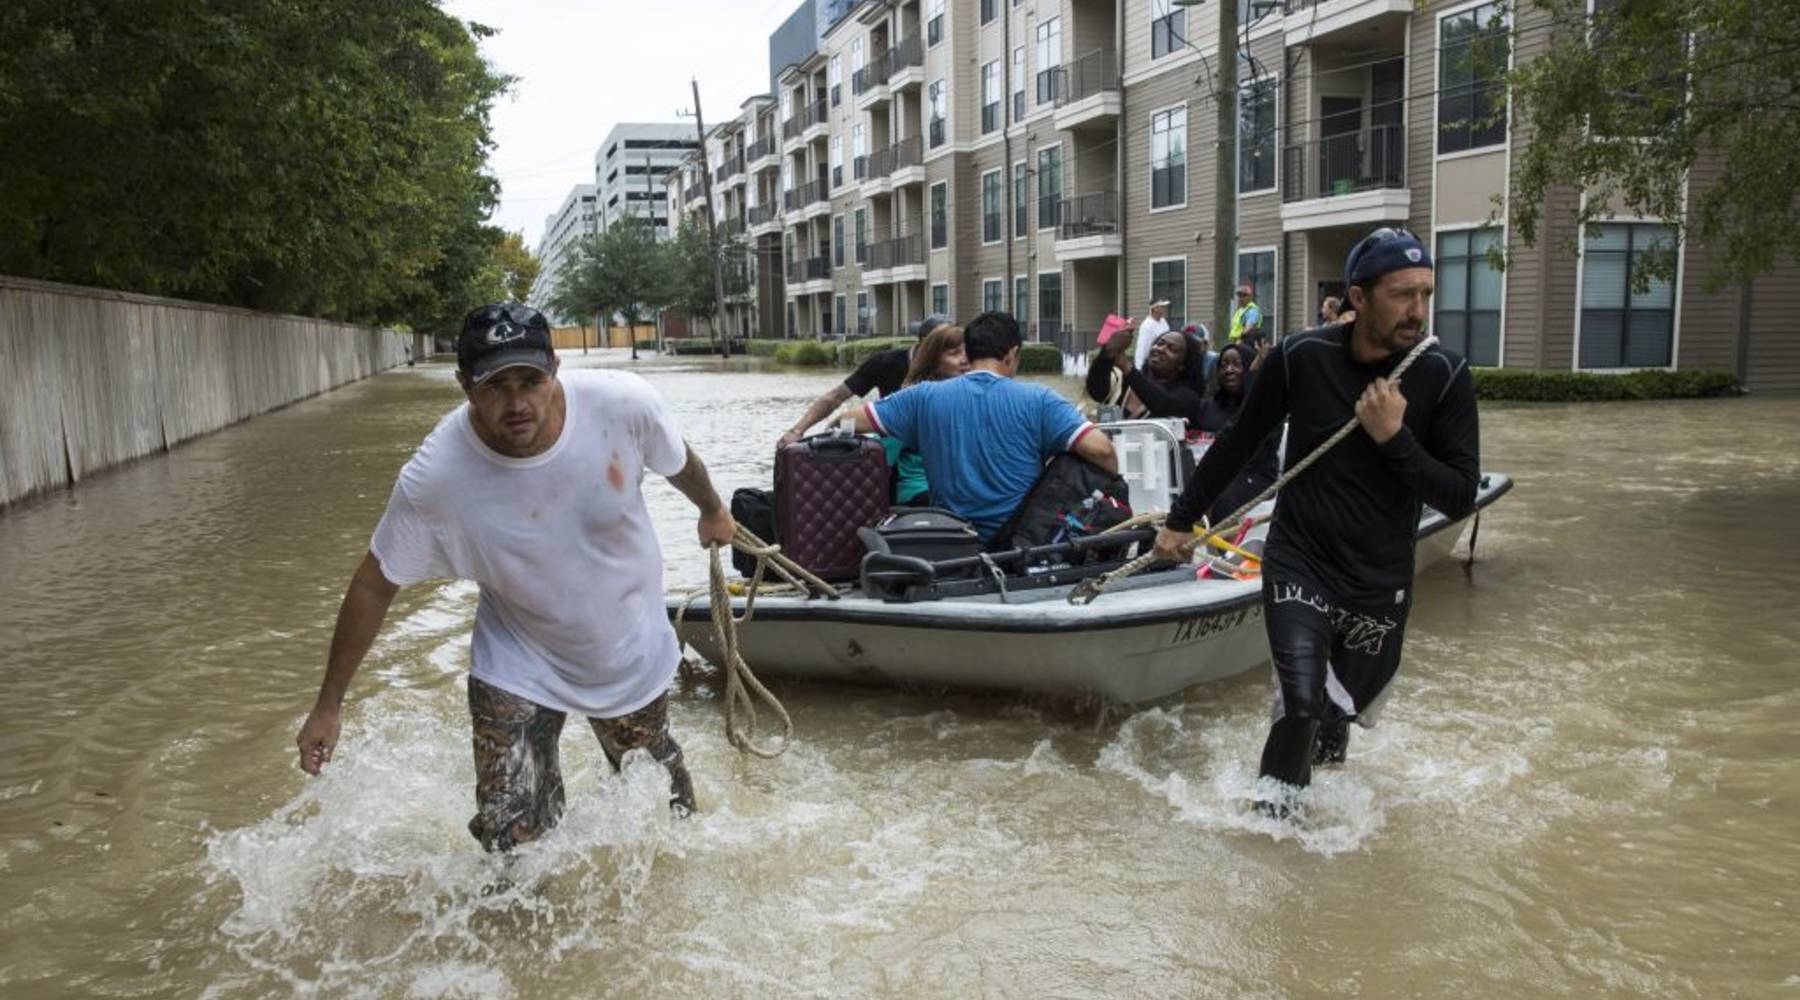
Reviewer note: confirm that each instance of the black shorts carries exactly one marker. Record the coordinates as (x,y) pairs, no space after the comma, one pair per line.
(1332,660)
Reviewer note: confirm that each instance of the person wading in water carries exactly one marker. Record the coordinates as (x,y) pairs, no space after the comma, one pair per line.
(533,490)
(1338,572)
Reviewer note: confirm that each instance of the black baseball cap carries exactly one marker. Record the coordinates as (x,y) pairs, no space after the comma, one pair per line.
(929,323)
(503,335)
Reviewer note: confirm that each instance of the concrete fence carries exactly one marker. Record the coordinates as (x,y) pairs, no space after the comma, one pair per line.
(91,378)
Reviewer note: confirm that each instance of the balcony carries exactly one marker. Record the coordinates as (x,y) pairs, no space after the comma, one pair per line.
(809,276)
(1336,21)
(814,120)
(1354,178)
(760,150)
(1087,92)
(905,64)
(734,167)
(909,161)
(899,259)
(869,84)
(693,193)
(761,215)
(1088,227)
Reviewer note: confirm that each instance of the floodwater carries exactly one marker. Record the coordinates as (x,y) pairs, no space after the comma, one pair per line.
(1585,785)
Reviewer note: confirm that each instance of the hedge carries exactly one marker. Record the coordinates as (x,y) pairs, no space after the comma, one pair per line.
(803,352)
(646,345)
(1040,359)
(1582,387)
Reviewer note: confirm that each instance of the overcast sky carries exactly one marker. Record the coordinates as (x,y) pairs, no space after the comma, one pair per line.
(585,65)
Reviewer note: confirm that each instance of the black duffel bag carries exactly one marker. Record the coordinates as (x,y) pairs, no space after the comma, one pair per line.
(1073,498)
(755,510)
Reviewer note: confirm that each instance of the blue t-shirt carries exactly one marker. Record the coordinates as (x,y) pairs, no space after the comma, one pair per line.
(985,439)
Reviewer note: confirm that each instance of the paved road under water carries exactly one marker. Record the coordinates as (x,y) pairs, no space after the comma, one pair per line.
(1586,784)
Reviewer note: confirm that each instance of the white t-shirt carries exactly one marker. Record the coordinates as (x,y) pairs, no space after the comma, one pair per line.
(571,611)
(1150,329)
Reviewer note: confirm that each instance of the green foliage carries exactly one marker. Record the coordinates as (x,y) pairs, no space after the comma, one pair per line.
(693,257)
(854,352)
(763,348)
(519,265)
(646,345)
(804,352)
(1623,107)
(622,271)
(1571,387)
(321,158)
(690,347)
(1039,359)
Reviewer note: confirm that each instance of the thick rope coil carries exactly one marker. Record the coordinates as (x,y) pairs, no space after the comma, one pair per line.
(1088,590)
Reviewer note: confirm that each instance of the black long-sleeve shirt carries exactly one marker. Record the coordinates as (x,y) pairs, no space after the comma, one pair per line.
(1347,525)
(1160,399)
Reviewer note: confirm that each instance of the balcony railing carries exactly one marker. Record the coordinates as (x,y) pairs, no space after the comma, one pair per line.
(734,165)
(816,113)
(1365,160)
(1094,214)
(806,194)
(760,148)
(908,152)
(898,58)
(901,251)
(760,214)
(869,77)
(811,269)
(693,192)
(1094,73)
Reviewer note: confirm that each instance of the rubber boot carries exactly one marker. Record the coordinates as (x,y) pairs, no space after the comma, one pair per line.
(1333,743)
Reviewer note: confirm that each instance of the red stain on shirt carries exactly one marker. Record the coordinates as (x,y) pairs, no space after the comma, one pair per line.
(616,475)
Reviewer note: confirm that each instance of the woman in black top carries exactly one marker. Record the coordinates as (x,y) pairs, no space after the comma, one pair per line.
(1231,386)
(1170,386)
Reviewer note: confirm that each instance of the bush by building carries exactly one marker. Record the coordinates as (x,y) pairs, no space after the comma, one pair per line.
(1583,387)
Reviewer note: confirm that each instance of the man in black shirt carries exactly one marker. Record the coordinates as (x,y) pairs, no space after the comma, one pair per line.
(884,370)
(1338,571)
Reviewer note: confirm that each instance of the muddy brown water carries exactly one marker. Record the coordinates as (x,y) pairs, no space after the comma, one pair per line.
(1585,785)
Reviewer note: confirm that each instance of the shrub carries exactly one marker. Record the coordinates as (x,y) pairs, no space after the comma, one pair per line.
(1037,359)
(1580,387)
(646,345)
(763,348)
(854,352)
(803,352)
(693,346)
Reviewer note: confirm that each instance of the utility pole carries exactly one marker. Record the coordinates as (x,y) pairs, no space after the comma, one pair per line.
(712,227)
(1225,173)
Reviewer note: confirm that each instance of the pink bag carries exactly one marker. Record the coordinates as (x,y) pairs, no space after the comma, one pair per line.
(1114,323)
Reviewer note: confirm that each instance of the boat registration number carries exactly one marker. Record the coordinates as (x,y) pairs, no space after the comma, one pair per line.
(1199,627)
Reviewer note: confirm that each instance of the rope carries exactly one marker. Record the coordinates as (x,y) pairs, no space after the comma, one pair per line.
(1088,590)
(742,688)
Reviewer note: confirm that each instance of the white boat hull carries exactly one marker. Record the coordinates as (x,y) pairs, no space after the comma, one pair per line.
(1147,638)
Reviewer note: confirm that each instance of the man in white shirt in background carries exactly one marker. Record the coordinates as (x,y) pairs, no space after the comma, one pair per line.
(1154,325)
(533,489)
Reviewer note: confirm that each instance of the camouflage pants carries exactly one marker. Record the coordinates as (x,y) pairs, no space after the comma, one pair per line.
(518,774)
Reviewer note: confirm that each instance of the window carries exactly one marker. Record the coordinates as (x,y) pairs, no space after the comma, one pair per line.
(859,146)
(837,160)
(1168,158)
(1257,269)
(1049,305)
(940,215)
(1050,192)
(787,106)
(1256,136)
(862,237)
(1018,83)
(838,315)
(937,106)
(1168,28)
(1467,303)
(990,97)
(1168,280)
(990,207)
(1021,306)
(837,241)
(940,299)
(988,11)
(993,295)
(1622,327)
(1472,56)
(836,77)
(863,314)
(1049,58)
(856,56)
(934,26)
(1021,201)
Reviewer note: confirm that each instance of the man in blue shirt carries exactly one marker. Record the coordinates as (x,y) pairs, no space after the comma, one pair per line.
(985,437)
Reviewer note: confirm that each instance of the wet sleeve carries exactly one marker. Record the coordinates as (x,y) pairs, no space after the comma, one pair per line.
(658,432)
(1264,409)
(1444,469)
(405,544)
(898,415)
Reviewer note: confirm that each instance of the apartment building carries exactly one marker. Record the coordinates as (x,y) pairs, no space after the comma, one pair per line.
(576,219)
(630,168)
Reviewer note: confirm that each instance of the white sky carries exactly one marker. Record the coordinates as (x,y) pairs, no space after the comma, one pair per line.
(585,65)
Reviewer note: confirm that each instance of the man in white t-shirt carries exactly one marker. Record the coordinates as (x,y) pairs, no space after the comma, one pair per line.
(533,490)
(1154,325)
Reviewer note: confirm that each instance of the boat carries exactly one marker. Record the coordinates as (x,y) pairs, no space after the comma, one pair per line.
(1148,636)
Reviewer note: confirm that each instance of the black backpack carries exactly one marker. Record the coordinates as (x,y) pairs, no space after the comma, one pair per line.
(755,510)
(1073,498)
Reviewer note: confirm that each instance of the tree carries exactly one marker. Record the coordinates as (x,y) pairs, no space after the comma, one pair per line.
(520,265)
(1626,103)
(694,257)
(322,158)
(578,286)
(631,272)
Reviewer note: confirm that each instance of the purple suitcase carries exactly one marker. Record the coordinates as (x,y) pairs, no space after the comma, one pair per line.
(826,487)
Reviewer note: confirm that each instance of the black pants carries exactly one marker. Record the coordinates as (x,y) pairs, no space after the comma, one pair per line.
(1332,663)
